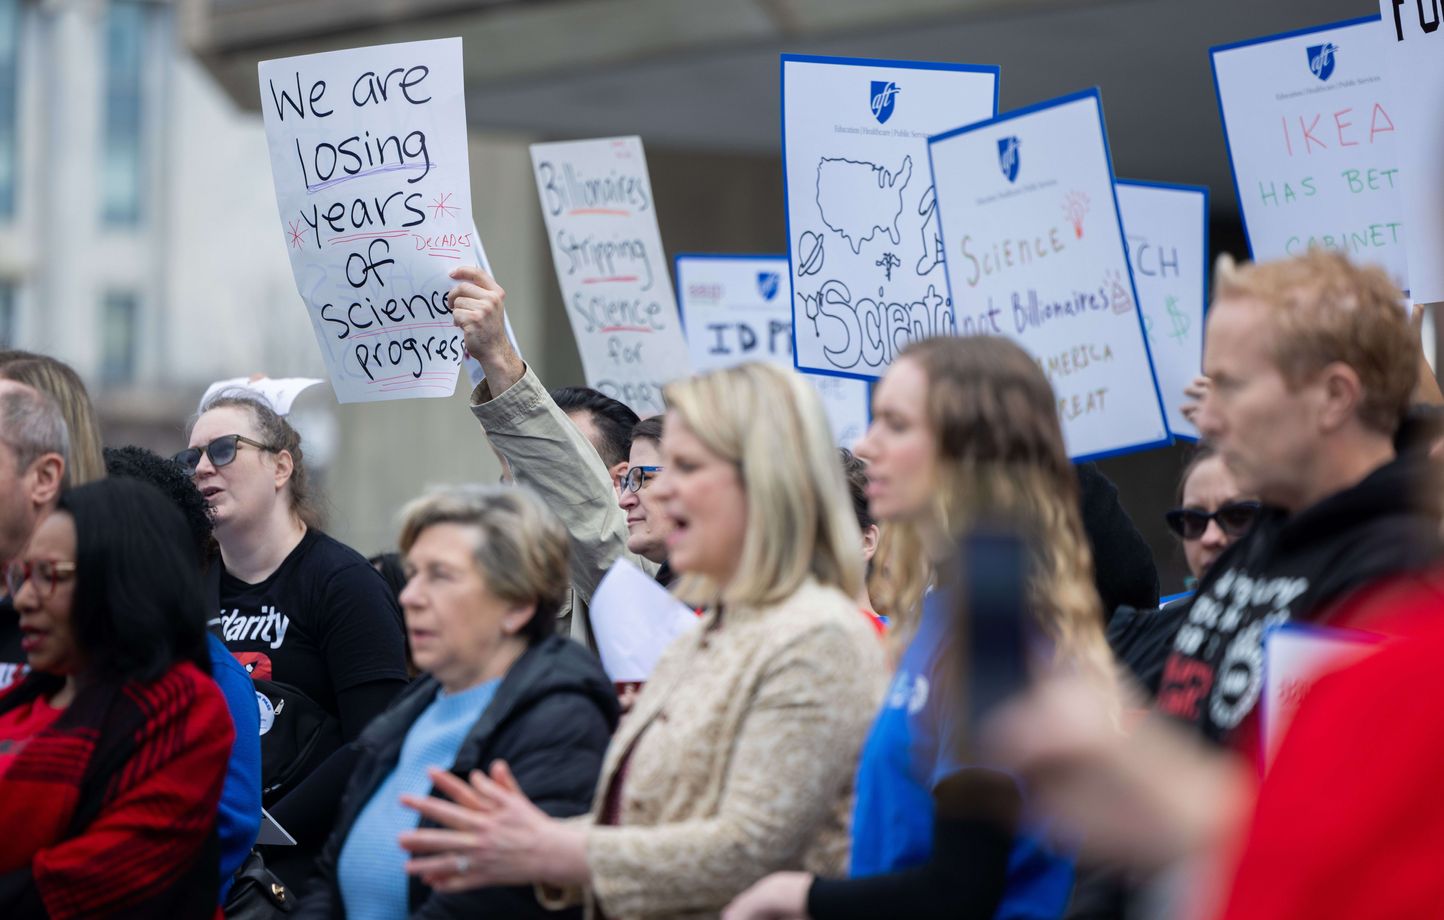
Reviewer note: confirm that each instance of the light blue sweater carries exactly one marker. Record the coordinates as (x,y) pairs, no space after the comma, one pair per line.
(372,879)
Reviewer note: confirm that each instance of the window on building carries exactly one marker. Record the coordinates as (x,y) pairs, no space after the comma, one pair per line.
(122,163)
(119,338)
(8,319)
(9,105)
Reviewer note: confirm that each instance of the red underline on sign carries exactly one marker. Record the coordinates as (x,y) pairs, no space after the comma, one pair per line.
(617,278)
(399,329)
(394,387)
(626,329)
(615,212)
(367,236)
(410,376)
(442,255)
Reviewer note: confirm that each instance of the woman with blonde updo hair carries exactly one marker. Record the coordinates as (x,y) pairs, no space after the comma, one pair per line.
(736,759)
(965,433)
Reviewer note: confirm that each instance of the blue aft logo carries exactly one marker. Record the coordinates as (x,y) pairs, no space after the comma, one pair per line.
(1008,156)
(767,283)
(884,99)
(1322,59)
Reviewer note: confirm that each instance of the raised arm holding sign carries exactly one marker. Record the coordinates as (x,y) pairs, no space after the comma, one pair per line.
(368,155)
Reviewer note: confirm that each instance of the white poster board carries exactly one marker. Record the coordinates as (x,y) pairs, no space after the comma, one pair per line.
(1167,231)
(368,154)
(1309,123)
(862,229)
(1036,253)
(1414,51)
(634,619)
(738,308)
(596,197)
(1296,656)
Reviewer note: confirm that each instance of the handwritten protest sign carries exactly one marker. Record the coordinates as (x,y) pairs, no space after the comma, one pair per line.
(1035,252)
(1167,231)
(739,308)
(1309,122)
(1414,51)
(368,154)
(862,232)
(596,198)
(1297,656)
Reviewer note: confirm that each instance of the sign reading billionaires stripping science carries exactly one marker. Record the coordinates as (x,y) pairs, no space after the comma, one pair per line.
(1167,230)
(596,198)
(368,154)
(1310,131)
(1035,252)
(863,243)
(738,308)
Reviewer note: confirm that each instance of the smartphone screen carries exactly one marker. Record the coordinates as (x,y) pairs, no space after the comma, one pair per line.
(992,618)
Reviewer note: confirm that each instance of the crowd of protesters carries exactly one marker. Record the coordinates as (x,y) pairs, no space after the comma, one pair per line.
(190,665)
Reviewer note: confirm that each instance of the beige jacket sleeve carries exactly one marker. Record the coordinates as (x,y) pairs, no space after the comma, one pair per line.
(794,747)
(551,456)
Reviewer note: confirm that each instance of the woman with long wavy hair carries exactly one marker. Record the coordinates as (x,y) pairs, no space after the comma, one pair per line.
(965,433)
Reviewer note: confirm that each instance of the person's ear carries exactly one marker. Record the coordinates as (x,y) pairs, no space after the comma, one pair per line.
(516,618)
(285,466)
(617,471)
(869,542)
(47,475)
(1341,393)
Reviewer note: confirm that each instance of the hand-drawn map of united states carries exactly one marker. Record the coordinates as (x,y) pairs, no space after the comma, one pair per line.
(857,198)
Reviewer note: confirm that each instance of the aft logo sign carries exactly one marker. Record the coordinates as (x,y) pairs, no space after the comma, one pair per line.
(1322,59)
(1008,160)
(767,284)
(884,99)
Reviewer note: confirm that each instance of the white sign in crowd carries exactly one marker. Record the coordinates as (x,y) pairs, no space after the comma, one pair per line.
(368,155)
(1167,231)
(913,209)
(1036,253)
(862,224)
(739,308)
(601,219)
(1310,123)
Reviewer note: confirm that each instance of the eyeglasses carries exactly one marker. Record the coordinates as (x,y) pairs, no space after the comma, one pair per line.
(638,476)
(1234,519)
(47,575)
(221,451)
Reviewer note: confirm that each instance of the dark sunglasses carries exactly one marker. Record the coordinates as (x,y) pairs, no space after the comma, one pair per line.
(1234,518)
(221,451)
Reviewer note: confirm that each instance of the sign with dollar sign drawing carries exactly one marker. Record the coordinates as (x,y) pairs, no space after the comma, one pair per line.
(1167,231)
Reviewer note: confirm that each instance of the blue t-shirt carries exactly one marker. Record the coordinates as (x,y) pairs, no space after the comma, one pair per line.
(238,819)
(371,873)
(909,750)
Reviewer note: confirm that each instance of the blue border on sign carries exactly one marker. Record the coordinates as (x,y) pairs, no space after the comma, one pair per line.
(1203,315)
(1213,54)
(1069,99)
(751,257)
(783,61)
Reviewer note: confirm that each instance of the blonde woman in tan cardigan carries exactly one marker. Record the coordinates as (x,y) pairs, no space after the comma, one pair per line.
(737,759)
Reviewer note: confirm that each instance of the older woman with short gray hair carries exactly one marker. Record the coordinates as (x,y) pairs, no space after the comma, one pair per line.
(486,571)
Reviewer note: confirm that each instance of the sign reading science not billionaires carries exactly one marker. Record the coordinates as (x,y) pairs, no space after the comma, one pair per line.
(368,155)
(863,242)
(1036,253)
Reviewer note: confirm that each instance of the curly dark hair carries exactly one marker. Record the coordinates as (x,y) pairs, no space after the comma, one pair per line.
(171,480)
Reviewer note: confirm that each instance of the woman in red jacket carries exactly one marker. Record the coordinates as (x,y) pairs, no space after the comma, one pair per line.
(114,747)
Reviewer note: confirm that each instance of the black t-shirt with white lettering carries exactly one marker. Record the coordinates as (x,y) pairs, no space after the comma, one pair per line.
(323,622)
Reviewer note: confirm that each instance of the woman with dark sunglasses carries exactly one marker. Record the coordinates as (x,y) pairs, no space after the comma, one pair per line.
(311,620)
(1212,512)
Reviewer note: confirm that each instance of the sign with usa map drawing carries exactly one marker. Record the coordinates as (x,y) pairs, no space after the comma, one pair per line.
(368,154)
(864,249)
(1036,252)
